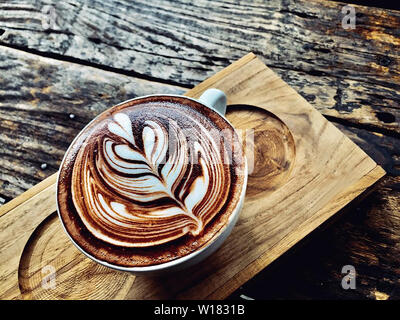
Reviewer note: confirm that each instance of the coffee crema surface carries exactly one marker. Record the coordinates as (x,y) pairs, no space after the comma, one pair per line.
(150,181)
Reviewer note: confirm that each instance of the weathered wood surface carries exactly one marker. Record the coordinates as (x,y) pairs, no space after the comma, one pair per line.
(348,74)
(322,172)
(351,76)
(37,98)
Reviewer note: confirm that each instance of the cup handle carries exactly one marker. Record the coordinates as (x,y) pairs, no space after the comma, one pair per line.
(214,99)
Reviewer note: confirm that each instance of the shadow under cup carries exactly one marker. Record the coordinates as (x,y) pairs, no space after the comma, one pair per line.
(153,184)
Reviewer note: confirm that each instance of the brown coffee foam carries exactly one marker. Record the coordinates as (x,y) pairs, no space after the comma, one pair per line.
(130,257)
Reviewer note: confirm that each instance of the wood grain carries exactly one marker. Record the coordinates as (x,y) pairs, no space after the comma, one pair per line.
(350,74)
(50,181)
(37,98)
(269,148)
(16,228)
(329,171)
(365,235)
(48,252)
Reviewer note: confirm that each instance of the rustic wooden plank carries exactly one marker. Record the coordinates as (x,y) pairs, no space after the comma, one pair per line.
(44,103)
(351,74)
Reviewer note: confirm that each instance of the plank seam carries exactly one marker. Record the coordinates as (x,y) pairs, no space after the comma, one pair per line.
(59,57)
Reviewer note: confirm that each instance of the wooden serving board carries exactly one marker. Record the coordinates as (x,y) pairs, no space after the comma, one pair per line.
(304,171)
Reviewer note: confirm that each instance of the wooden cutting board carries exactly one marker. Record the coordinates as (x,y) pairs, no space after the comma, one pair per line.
(304,171)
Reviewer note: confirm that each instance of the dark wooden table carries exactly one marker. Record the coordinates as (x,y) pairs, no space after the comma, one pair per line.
(63,62)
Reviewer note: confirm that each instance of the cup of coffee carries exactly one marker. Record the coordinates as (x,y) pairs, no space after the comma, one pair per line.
(153,184)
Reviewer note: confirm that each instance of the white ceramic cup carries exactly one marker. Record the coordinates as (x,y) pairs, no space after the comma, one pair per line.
(216,100)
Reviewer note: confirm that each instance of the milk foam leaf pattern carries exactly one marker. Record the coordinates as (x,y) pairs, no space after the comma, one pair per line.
(122,127)
(149,193)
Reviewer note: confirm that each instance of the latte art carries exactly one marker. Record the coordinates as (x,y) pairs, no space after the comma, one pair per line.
(136,196)
(148,181)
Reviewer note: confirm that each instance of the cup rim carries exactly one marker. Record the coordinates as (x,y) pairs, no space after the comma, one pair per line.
(169,264)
